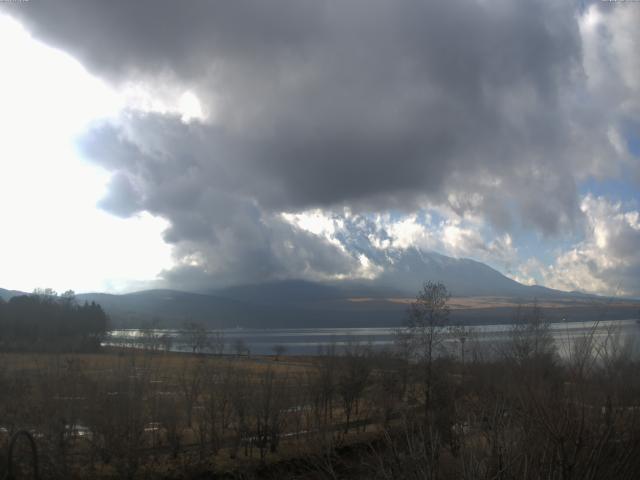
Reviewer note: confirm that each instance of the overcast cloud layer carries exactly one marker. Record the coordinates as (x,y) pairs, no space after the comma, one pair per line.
(322,132)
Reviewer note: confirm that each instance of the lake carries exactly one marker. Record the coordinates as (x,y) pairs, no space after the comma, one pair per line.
(307,341)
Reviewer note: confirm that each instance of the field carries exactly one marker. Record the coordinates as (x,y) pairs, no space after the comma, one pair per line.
(126,413)
(349,413)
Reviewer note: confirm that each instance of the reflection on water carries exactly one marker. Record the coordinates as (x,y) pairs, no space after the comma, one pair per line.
(306,341)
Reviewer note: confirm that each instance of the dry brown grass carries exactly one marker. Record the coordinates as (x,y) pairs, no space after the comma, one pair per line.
(114,358)
(463,303)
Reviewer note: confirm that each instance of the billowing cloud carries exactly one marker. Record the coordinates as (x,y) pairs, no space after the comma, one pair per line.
(607,261)
(381,239)
(244,111)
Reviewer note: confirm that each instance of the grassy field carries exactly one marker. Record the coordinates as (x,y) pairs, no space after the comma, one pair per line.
(166,408)
(115,358)
(359,413)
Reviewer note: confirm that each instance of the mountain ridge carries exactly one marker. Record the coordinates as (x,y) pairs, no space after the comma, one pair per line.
(484,296)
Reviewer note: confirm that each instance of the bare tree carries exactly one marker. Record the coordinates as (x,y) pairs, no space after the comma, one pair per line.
(462,334)
(427,317)
(151,338)
(217,404)
(531,343)
(279,350)
(197,337)
(270,399)
(166,341)
(240,347)
(217,342)
(118,416)
(190,380)
(170,417)
(240,396)
(326,380)
(388,387)
(353,378)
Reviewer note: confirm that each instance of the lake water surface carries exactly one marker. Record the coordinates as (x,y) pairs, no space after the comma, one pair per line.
(307,341)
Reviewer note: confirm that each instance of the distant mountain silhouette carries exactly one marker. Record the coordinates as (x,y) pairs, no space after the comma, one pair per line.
(7,294)
(403,277)
(462,276)
(350,303)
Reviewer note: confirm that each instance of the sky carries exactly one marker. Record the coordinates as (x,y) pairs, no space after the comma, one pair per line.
(195,145)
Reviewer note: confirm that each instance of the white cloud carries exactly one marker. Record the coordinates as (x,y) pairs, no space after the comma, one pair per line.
(606,262)
(368,269)
(52,233)
(382,235)
(169,98)
(328,226)
(404,233)
(610,42)
(453,235)
(319,223)
(528,273)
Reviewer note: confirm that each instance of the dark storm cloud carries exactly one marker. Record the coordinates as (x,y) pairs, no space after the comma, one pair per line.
(120,37)
(245,251)
(220,232)
(369,104)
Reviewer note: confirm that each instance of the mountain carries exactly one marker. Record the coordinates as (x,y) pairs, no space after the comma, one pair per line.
(170,308)
(302,304)
(403,276)
(462,276)
(480,295)
(7,294)
(286,292)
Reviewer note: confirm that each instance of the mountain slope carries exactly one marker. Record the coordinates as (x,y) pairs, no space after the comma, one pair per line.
(403,277)
(7,294)
(170,308)
(481,295)
(462,276)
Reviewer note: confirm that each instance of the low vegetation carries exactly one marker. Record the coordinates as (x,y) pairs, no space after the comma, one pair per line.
(421,411)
